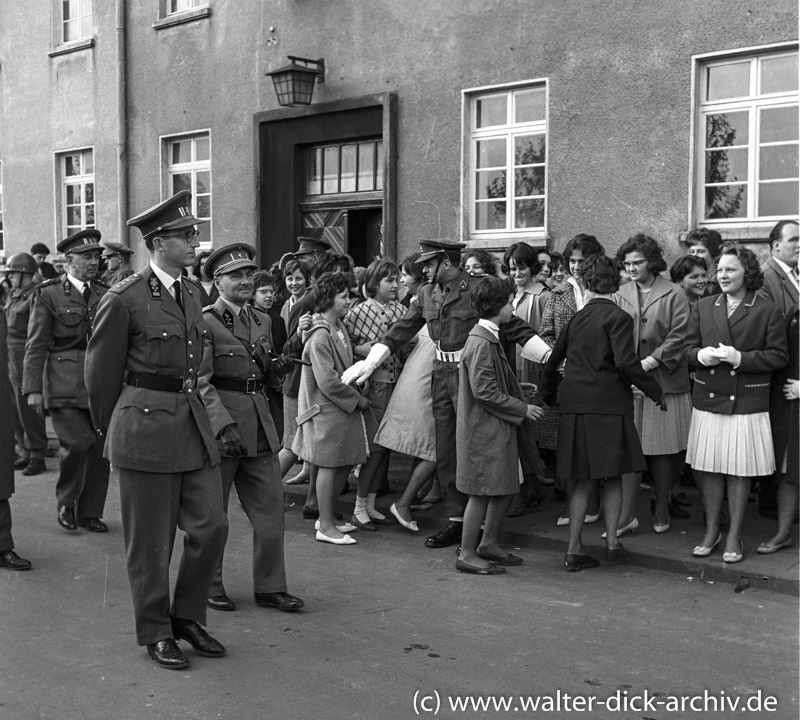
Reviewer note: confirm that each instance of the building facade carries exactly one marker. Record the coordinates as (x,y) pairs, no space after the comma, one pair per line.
(489,121)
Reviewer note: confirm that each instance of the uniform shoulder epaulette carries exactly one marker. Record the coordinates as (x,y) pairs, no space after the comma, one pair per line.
(101,284)
(48,283)
(125,283)
(208,308)
(192,282)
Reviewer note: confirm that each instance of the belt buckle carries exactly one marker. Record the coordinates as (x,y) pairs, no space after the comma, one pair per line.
(188,383)
(250,386)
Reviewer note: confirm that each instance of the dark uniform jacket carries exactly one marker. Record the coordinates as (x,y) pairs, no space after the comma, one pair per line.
(238,353)
(6,419)
(19,304)
(58,330)
(758,331)
(141,329)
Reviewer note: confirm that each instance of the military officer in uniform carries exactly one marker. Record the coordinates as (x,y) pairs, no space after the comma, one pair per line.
(236,398)
(58,332)
(142,374)
(31,432)
(444,304)
(118,257)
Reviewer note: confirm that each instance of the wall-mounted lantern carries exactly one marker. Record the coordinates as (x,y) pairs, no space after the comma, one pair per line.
(294,83)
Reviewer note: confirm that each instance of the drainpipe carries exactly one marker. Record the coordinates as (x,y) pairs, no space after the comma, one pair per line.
(122,125)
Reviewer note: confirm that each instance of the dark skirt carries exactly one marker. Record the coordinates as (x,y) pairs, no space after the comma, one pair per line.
(598,446)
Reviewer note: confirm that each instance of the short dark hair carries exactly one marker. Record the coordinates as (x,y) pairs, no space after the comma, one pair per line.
(711,240)
(328,286)
(263,278)
(490,295)
(40,249)
(525,255)
(293,265)
(410,266)
(486,260)
(775,233)
(587,244)
(648,247)
(331,262)
(600,274)
(684,265)
(556,259)
(376,271)
(753,277)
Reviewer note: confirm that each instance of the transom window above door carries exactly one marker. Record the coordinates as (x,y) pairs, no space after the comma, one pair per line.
(353,167)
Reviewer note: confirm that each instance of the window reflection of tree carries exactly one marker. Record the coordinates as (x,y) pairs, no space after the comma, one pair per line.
(725,201)
(528,181)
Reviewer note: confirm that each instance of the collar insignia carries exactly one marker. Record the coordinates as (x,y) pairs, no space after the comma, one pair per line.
(227,318)
(254,317)
(67,287)
(154,285)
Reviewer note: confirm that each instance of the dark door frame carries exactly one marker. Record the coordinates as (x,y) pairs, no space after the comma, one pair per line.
(279,137)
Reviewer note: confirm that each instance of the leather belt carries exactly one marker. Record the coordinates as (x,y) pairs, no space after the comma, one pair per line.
(448,357)
(251,385)
(160,382)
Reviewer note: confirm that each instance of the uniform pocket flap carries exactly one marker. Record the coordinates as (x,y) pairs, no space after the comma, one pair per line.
(162,332)
(69,315)
(230,351)
(155,402)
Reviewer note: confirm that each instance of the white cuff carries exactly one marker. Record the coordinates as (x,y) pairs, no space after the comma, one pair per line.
(536,350)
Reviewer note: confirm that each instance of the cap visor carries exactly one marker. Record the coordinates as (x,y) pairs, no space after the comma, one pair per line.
(428,255)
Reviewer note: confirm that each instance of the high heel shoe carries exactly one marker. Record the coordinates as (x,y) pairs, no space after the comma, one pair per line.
(703,551)
(734,557)
(631,528)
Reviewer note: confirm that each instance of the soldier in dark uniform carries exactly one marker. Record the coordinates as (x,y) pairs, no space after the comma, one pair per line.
(119,258)
(243,363)
(444,304)
(142,375)
(31,432)
(58,331)
(8,558)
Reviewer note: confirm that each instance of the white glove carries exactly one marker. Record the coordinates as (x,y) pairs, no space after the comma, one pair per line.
(649,363)
(708,356)
(359,372)
(728,354)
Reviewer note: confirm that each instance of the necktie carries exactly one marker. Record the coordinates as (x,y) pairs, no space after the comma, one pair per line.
(243,317)
(87,291)
(176,288)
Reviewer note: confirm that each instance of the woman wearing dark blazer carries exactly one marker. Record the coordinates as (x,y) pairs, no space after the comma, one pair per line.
(597,438)
(736,341)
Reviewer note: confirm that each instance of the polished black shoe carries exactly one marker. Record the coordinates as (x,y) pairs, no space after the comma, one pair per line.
(66,518)
(167,654)
(95,525)
(198,638)
(616,554)
(221,602)
(310,513)
(280,600)
(579,562)
(20,462)
(34,467)
(9,559)
(449,535)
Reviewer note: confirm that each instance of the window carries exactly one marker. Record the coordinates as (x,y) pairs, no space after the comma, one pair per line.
(77,191)
(188,167)
(747,141)
(76,20)
(345,168)
(176,6)
(508,162)
(2,234)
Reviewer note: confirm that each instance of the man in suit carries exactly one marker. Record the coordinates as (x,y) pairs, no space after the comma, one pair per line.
(58,332)
(119,258)
(236,398)
(144,390)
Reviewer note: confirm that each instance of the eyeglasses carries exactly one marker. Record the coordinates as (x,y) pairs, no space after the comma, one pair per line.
(633,264)
(187,237)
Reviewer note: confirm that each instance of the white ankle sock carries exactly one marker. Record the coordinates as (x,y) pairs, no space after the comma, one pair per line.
(360,510)
(371,511)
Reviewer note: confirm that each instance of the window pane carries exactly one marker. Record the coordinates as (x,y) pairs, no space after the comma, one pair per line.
(490,184)
(88,162)
(726,165)
(778,161)
(728,81)
(314,171)
(90,216)
(68,9)
(181,181)
(778,199)
(529,105)
(181,151)
(491,153)
(330,183)
(203,206)
(89,187)
(73,194)
(490,216)
(348,168)
(201,149)
(727,129)
(72,165)
(203,182)
(528,149)
(529,213)
(366,166)
(71,31)
(778,124)
(528,181)
(779,74)
(379,169)
(492,110)
(729,201)
(74,216)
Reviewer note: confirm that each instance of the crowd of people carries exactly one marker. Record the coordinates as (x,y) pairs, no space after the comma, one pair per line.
(590,372)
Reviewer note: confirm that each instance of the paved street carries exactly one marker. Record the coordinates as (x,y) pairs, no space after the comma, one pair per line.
(385,619)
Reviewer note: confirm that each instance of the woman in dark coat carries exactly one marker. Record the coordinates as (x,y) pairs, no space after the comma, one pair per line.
(597,438)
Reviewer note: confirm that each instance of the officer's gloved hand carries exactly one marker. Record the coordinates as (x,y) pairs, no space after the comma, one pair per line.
(231,442)
(282,364)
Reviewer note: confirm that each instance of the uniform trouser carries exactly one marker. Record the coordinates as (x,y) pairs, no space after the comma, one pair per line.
(31,433)
(83,478)
(6,541)
(258,485)
(153,505)
(444,391)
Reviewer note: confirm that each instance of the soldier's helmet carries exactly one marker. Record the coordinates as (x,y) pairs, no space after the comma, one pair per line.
(21,262)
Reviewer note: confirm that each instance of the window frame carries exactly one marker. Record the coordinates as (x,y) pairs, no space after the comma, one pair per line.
(167,17)
(168,170)
(62,223)
(750,227)
(470,134)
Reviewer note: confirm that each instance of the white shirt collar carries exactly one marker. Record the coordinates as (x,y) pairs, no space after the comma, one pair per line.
(78,284)
(577,291)
(491,327)
(783,266)
(166,280)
